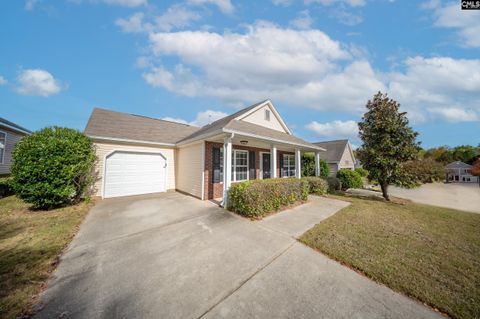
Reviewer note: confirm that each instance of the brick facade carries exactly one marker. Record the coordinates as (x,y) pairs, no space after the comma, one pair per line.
(215,190)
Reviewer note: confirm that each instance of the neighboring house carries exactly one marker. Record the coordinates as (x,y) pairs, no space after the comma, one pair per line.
(139,155)
(338,155)
(10,134)
(460,172)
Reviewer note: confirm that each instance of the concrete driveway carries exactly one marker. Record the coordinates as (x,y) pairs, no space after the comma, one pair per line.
(461,196)
(173,256)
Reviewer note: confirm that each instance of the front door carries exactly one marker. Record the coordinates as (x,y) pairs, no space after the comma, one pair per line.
(265,165)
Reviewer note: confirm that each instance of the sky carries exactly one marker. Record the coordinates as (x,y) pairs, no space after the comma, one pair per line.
(194,61)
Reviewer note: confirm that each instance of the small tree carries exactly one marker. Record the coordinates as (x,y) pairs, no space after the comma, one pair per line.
(388,142)
(308,166)
(53,167)
(476,169)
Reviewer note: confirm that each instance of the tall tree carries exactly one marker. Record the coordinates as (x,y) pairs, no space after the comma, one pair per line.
(388,142)
(476,169)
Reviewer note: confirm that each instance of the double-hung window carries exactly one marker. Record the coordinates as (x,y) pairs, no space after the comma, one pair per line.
(288,165)
(239,165)
(3,143)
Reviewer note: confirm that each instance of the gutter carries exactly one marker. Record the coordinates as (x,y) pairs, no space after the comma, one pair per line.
(102,138)
(16,129)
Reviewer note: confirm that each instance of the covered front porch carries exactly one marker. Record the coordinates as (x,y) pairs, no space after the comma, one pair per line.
(233,157)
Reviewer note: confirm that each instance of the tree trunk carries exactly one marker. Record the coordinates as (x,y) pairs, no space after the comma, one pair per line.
(384,187)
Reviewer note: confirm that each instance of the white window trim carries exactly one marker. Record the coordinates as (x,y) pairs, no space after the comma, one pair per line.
(287,169)
(234,165)
(2,159)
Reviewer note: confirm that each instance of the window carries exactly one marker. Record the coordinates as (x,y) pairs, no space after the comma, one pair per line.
(267,115)
(3,142)
(288,165)
(239,165)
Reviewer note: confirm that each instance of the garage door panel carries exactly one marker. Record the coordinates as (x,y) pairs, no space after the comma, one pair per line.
(128,173)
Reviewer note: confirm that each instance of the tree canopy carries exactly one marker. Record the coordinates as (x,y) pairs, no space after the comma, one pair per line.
(388,142)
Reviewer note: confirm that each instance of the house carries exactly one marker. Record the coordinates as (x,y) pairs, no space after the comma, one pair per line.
(139,155)
(338,155)
(10,134)
(459,172)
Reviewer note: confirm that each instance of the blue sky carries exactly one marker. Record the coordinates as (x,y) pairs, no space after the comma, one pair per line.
(319,61)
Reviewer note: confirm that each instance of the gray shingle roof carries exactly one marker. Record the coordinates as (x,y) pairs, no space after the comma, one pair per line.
(13,125)
(116,125)
(458,164)
(110,124)
(334,150)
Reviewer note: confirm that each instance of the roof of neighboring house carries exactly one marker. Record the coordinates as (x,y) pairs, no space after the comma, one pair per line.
(13,126)
(458,164)
(122,126)
(127,127)
(334,149)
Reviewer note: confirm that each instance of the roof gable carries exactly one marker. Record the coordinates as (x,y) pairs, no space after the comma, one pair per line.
(257,116)
(335,150)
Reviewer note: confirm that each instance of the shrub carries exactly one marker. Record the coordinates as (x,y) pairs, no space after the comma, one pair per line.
(361,171)
(308,166)
(5,187)
(52,167)
(316,185)
(334,184)
(423,171)
(257,198)
(349,179)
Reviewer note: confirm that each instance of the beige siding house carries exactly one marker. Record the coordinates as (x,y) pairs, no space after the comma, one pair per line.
(338,155)
(139,155)
(10,135)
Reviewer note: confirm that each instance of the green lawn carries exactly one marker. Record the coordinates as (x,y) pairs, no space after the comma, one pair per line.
(427,252)
(30,243)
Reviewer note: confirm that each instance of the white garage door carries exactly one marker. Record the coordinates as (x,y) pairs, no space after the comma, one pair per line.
(128,173)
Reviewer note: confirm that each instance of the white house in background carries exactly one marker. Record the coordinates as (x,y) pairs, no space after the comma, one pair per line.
(10,135)
(338,155)
(460,172)
(140,155)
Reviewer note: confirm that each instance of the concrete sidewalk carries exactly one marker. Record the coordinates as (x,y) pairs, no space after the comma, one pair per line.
(173,256)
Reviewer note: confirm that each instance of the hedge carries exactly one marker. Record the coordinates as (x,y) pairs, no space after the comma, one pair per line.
(334,184)
(257,198)
(316,185)
(349,179)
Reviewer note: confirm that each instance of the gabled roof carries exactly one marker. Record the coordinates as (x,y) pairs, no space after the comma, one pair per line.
(112,125)
(458,164)
(334,149)
(13,126)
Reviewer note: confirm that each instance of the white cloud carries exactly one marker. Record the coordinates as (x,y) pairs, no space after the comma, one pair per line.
(335,129)
(30,4)
(352,3)
(466,22)
(3,81)
(202,118)
(174,17)
(283,3)
(126,3)
(303,20)
(346,17)
(37,82)
(455,114)
(224,5)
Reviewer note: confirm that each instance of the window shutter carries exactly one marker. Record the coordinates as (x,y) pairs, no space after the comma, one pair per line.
(216,165)
(282,172)
(251,165)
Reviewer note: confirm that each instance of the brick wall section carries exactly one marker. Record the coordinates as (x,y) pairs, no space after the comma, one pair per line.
(215,190)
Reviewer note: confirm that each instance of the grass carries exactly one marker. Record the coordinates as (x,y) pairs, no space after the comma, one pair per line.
(30,243)
(426,252)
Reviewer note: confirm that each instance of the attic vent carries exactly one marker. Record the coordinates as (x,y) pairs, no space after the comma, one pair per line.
(267,114)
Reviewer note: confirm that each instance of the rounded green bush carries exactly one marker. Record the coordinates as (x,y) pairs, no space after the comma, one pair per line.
(361,171)
(53,167)
(334,184)
(317,185)
(349,179)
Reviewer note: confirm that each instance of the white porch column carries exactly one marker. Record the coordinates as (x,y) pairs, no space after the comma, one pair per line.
(227,168)
(298,164)
(317,164)
(273,161)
